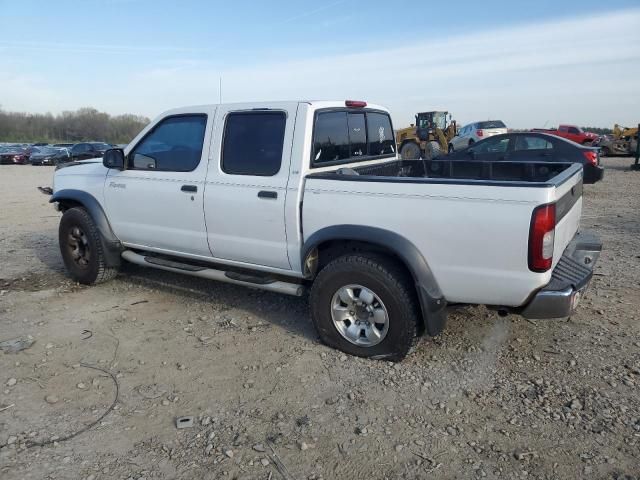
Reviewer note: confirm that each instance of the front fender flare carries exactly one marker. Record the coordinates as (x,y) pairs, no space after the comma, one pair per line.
(432,301)
(111,244)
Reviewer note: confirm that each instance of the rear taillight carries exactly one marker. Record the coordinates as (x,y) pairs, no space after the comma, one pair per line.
(479,133)
(541,238)
(591,156)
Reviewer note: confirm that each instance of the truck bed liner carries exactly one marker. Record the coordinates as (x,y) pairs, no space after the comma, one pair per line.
(499,173)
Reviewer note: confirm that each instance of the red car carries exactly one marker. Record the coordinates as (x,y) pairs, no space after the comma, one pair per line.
(14,156)
(570,132)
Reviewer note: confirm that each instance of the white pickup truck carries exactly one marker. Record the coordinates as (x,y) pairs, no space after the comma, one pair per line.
(290,196)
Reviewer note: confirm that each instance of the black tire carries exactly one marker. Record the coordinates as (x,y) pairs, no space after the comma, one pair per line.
(410,151)
(81,248)
(605,152)
(433,151)
(389,282)
(451,150)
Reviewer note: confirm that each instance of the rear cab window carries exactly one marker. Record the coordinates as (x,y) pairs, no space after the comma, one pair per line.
(491,124)
(346,136)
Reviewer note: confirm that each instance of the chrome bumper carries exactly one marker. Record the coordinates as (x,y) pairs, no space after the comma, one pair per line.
(569,281)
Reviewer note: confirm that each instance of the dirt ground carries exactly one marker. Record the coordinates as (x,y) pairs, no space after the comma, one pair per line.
(490,398)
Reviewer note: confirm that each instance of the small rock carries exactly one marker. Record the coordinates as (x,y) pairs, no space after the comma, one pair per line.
(81,386)
(165,402)
(11,440)
(206,421)
(51,399)
(420,443)
(399,448)
(229,453)
(343,358)
(303,446)
(264,461)
(258,447)
(11,382)
(66,460)
(575,404)
(352,396)
(331,400)
(361,430)
(208,449)
(181,366)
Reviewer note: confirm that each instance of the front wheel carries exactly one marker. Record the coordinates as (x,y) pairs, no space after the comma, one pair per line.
(410,151)
(81,248)
(365,305)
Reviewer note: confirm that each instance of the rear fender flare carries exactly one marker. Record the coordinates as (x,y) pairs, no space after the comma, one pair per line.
(432,301)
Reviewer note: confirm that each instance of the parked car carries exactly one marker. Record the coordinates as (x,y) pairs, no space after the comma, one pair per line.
(570,132)
(63,145)
(474,132)
(87,150)
(534,147)
(318,199)
(14,155)
(49,156)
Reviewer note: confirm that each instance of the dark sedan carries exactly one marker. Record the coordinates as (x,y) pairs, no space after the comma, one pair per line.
(14,155)
(534,147)
(49,156)
(86,150)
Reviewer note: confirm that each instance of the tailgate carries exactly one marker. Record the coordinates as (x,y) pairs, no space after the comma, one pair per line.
(568,212)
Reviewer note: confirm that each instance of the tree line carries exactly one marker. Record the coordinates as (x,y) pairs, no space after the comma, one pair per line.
(84,124)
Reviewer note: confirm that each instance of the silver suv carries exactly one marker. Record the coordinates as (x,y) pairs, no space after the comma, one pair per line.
(474,132)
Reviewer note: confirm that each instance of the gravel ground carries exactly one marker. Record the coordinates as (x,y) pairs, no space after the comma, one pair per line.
(490,398)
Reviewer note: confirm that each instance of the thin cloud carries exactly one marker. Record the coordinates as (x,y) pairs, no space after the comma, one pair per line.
(528,74)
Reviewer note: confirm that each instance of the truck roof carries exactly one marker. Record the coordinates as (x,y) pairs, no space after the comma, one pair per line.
(287,104)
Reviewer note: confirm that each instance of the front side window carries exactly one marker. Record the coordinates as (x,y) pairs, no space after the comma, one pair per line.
(344,137)
(174,145)
(574,130)
(532,143)
(492,145)
(253,143)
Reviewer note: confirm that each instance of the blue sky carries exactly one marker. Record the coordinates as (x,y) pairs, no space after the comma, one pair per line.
(528,63)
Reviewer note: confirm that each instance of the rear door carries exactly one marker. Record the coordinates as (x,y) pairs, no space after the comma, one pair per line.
(246,186)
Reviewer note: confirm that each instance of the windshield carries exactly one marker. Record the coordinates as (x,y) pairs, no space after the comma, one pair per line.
(433,119)
(491,124)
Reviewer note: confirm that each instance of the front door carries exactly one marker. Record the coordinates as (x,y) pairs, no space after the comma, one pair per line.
(494,149)
(157,201)
(247,185)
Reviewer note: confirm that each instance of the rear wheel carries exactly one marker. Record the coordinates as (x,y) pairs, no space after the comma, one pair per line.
(410,151)
(365,305)
(605,152)
(81,248)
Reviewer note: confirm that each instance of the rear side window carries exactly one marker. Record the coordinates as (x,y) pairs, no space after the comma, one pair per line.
(492,145)
(174,145)
(532,143)
(345,136)
(253,143)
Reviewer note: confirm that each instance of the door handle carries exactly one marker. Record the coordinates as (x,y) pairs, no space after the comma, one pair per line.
(267,194)
(189,188)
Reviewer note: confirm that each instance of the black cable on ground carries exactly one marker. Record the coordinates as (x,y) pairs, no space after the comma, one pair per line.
(91,425)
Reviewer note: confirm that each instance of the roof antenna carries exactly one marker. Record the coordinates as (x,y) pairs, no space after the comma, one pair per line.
(220,89)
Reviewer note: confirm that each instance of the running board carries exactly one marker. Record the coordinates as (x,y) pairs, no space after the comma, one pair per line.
(262,283)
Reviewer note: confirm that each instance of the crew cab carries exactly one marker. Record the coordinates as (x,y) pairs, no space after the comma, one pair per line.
(297,196)
(570,132)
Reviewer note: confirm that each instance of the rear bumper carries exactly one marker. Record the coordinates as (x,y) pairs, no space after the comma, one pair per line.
(569,280)
(593,174)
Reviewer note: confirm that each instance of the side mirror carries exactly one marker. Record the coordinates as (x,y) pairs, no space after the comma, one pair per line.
(114,158)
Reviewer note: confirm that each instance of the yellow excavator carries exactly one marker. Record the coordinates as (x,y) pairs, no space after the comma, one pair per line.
(428,138)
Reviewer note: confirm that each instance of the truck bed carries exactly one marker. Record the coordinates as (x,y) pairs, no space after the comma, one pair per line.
(459,171)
